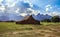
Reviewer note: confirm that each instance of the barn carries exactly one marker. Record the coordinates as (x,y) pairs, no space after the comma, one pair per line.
(28,20)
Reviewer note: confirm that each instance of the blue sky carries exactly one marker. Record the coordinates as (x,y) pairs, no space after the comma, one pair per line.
(24,7)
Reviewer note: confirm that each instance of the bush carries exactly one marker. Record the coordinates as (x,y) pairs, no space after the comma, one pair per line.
(55,19)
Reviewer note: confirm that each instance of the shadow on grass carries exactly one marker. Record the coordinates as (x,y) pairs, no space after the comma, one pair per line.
(29,24)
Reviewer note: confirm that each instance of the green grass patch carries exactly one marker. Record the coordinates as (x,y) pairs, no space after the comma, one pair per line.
(50,23)
(11,29)
(12,26)
(7,26)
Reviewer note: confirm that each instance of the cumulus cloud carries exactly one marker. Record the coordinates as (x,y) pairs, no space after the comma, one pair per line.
(54,13)
(11,3)
(1,1)
(2,8)
(27,1)
(19,8)
(23,14)
(48,7)
(26,8)
(17,11)
(31,11)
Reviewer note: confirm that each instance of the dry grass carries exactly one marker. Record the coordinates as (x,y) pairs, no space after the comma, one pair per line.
(45,30)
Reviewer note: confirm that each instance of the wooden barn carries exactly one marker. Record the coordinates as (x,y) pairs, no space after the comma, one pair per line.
(28,20)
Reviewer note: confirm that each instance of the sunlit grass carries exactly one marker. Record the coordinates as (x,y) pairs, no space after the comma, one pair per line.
(9,29)
(7,26)
(50,23)
(10,26)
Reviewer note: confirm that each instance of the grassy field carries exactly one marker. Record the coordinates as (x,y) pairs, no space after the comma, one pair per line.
(10,29)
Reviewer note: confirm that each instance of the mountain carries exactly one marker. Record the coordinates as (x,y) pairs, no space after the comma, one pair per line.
(14,17)
(40,17)
(10,17)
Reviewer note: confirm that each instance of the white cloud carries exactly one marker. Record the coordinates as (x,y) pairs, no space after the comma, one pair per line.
(35,12)
(29,11)
(17,11)
(11,8)
(1,1)
(2,8)
(8,1)
(11,3)
(48,7)
(23,14)
(54,13)
(27,1)
(31,5)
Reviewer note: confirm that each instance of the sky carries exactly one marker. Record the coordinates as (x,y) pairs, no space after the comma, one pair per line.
(24,7)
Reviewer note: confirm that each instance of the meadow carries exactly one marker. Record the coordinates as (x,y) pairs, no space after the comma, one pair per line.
(46,29)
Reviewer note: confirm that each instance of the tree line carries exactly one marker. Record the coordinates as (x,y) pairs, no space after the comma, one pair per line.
(53,19)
